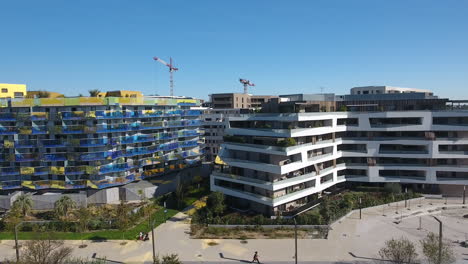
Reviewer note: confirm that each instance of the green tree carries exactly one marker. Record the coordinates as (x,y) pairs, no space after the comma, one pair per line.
(167,259)
(430,249)
(43,94)
(122,218)
(398,251)
(325,211)
(392,188)
(94,92)
(63,206)
(215,203)
(23,204)
(84,216)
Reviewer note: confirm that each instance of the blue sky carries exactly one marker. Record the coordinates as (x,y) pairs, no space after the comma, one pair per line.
(281,46)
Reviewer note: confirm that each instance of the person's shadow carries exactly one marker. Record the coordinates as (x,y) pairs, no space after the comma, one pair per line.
(221,255)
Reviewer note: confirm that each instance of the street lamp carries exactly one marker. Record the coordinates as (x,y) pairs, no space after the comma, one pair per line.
(360,208)
(464,187)
(440,240)
(295,240)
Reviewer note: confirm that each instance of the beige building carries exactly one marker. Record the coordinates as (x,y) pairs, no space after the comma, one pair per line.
(239,100)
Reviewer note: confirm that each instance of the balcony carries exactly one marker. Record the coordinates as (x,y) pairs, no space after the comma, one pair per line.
(189,144)
(114,168)
(8,130)
(192,113)
(7,117)
(9,172)
(93,142)
(55,157)
(26,157)
(9,185)
(25,144)
(53,144)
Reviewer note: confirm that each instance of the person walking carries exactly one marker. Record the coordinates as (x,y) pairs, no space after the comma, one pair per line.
(255,258)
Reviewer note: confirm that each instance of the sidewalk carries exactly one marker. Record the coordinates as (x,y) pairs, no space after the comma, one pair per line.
(351,241)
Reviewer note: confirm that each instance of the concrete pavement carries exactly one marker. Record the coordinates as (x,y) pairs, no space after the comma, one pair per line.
(351,241)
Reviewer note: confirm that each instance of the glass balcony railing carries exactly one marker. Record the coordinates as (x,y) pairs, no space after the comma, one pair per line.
(9,172)
(8,130)
(53,143)
(55,157)
(7,116)
(8,185)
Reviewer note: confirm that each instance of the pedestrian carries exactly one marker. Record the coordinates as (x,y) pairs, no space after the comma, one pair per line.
(140,237)
(255,258)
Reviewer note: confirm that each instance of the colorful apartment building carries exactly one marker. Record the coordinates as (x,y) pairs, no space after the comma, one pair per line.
(95,142)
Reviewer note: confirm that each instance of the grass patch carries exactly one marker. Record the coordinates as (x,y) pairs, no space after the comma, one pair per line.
(103,235)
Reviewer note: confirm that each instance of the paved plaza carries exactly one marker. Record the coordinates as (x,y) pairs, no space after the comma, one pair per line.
(351,240)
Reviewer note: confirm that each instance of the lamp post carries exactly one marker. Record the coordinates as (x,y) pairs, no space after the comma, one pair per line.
(406,197)
(440,240)
(295,240)
(152,239)
(360,208)
(16,241)
(464,187)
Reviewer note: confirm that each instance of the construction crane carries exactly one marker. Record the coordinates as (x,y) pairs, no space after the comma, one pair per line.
(171,70)
(246,83)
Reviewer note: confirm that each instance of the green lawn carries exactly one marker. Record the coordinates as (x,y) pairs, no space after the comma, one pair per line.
(130,234)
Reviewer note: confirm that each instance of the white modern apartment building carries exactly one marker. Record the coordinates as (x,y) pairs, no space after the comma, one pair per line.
(278,162)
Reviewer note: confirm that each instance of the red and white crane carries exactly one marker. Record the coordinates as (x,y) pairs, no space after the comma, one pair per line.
(246,83)
(172,69)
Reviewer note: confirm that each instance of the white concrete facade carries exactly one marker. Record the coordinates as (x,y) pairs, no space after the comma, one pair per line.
(425,147)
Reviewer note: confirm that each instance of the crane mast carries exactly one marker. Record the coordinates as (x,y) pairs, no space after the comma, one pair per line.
(246,84)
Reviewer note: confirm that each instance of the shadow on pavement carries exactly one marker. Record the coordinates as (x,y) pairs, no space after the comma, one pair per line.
(354,256)
(95,239)
(221,255)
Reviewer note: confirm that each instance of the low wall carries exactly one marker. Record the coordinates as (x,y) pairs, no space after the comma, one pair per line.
(272,226)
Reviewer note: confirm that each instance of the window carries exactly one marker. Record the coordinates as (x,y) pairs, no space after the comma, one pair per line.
(365,92)
(18,94)
(4,90)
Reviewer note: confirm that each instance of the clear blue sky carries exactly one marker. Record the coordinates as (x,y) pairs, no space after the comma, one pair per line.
(282,46)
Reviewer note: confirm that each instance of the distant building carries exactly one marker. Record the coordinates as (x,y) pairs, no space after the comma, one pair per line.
(8,90)
(238,100)
(386,90)
(214,123)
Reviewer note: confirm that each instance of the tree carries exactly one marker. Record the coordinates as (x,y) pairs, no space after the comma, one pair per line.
(43,94)
(45,252)
(168,259)
(94,92)
(122,218)
(215,203)
(392,188)
(325,210)
(63,206)
(23,204)
(430,249)
(398,251)
(84,215)
(180,191)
